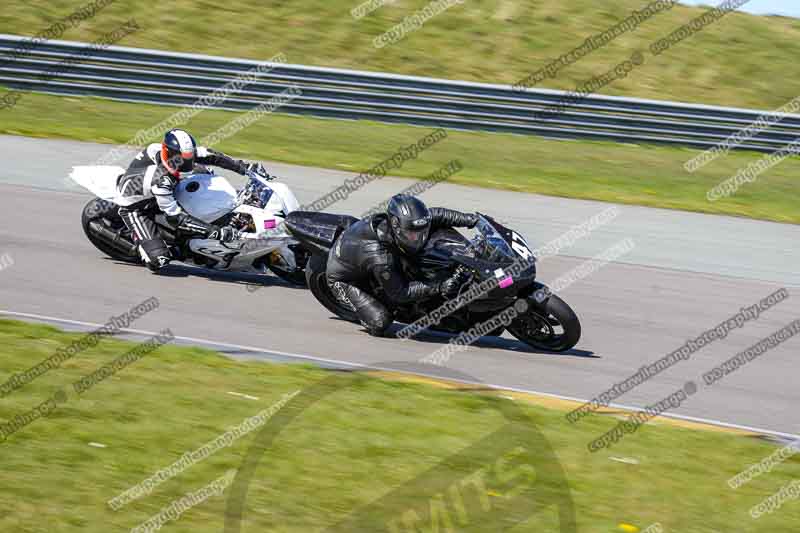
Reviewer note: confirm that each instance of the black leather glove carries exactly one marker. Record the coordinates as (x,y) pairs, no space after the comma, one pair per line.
(187,224)
(449,288)
(225,234)
(259,170)
(450,218)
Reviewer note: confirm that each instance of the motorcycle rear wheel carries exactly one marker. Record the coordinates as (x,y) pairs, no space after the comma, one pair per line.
(318,284)
(105,213)
(539,326)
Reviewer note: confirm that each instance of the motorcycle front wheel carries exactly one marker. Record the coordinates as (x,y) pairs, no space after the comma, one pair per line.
(550,326)
(294,277)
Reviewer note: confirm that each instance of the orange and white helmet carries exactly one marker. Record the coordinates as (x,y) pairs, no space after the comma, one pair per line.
(178,152)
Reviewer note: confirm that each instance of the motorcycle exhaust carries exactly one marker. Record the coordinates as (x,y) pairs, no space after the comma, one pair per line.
(114,238)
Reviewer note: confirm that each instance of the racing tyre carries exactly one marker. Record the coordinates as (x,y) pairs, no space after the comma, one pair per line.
(550,326)
(318,284)
(296,277)
(102,216)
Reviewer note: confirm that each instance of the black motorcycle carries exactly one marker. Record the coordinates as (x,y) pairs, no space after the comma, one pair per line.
(498,265)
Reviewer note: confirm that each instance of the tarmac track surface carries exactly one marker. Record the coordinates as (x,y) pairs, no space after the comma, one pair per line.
(687,273)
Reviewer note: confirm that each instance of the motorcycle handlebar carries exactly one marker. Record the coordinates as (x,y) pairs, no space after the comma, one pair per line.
(262,179)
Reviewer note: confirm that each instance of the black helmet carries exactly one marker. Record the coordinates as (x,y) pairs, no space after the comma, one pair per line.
(178,151)
(409,222)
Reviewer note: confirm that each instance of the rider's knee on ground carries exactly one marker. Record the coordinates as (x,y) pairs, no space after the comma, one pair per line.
(376,319)
(373,314)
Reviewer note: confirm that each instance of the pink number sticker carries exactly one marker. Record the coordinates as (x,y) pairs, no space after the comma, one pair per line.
(506,282)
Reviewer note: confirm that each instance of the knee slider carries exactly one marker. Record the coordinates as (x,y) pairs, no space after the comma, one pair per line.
(377,321)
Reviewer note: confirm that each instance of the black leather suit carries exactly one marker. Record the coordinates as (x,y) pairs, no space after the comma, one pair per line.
(365,252)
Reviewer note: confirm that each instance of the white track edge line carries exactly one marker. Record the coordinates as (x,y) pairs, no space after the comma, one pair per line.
(675,416)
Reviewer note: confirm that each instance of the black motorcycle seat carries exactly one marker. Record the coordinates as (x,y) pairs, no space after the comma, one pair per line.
(318,228)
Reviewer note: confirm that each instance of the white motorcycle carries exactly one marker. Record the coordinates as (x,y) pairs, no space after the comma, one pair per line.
(258,211)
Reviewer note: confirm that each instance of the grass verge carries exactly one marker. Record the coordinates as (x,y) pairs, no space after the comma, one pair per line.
(350,448)
(643,175)
(742,60)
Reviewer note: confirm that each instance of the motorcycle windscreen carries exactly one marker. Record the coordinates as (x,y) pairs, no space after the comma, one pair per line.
(206,196)
(493,246)
(283,199)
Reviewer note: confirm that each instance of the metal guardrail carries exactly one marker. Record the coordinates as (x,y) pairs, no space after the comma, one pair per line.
(154,76)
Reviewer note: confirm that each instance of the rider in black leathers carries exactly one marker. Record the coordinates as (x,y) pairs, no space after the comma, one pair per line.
(370,250)
(151,179)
